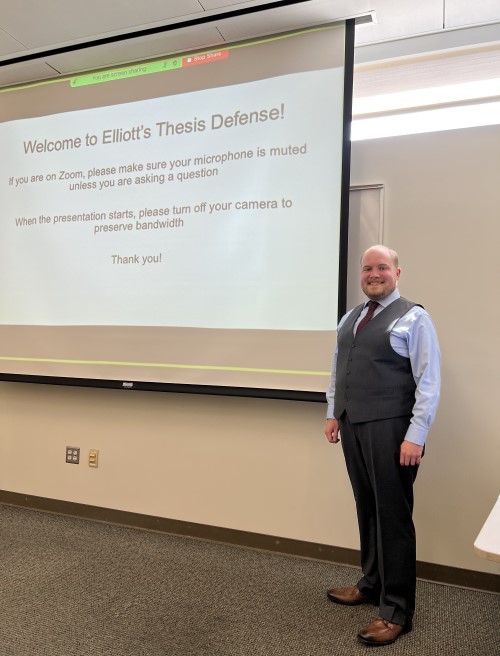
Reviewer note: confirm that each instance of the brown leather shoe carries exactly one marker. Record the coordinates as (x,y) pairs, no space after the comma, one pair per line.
(381,632)
(348,596)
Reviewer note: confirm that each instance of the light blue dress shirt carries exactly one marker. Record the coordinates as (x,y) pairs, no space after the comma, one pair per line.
(413,336)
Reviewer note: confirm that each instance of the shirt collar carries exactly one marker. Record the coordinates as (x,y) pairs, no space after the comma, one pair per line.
(384,302)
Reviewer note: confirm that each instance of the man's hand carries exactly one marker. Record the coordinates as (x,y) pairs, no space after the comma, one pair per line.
(410,453)
(332,431)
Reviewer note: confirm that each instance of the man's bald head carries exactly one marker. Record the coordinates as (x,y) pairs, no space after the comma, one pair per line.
(379,272)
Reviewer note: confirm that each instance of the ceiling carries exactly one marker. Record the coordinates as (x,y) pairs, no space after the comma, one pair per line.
(35,33)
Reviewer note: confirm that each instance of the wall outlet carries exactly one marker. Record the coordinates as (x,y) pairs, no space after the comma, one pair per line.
(94,458)
(73,455)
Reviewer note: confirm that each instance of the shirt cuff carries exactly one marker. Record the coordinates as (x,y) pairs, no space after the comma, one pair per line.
(329,412)
(416,435)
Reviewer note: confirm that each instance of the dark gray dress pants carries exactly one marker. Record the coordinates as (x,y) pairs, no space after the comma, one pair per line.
(383,491)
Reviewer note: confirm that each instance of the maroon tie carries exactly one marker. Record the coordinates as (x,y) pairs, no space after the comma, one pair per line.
(371,309)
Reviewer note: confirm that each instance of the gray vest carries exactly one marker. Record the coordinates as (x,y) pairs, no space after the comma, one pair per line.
(372,380)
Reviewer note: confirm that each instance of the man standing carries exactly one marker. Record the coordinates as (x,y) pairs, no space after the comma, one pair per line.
(382,399)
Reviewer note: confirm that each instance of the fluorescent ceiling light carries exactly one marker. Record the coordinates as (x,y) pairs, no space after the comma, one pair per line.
(432,120)
(480,89)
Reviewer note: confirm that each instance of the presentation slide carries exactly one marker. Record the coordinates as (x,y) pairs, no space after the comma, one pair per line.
(177,221)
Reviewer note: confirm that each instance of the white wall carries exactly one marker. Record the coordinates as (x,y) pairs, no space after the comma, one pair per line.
(443,217)
(264,465)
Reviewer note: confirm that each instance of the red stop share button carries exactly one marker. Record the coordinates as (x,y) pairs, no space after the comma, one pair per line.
(194,60)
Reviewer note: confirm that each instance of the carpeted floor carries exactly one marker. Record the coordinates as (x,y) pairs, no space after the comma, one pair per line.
(71,587)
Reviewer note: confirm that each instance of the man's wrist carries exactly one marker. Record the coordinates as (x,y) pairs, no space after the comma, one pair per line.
(416,435)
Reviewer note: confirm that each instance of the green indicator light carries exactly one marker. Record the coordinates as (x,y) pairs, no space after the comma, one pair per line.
(124,73)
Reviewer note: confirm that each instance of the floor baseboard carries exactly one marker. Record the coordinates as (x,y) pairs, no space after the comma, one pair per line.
(340,555)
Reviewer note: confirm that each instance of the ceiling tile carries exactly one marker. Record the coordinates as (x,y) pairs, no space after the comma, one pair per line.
(62,21)
(401,18)
(459,13)
(292,17)
(229,5)
(25,72)
(9,45)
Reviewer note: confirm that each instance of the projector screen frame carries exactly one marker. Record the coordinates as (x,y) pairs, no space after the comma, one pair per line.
(218,390)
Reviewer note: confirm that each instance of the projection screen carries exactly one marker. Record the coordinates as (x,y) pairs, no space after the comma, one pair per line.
(176,224)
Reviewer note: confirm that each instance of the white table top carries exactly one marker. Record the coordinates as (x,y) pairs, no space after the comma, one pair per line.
(487,543)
